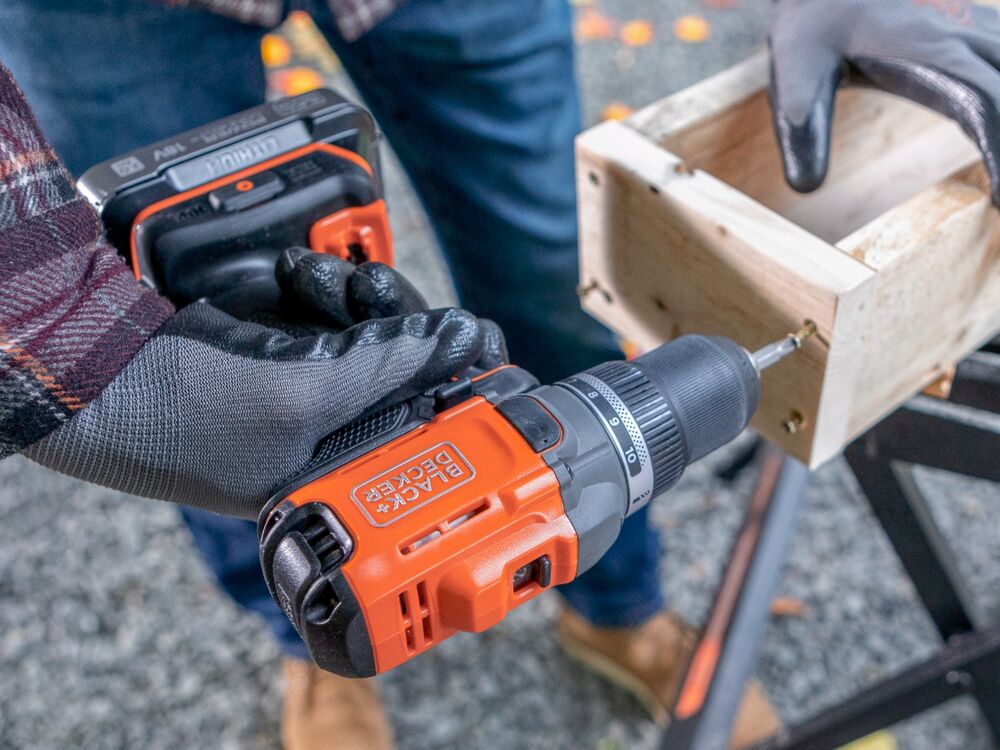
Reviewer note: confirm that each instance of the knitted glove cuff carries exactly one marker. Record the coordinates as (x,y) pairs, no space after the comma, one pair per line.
(71,313)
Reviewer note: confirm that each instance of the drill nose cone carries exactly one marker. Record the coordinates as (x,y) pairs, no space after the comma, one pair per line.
(712,386)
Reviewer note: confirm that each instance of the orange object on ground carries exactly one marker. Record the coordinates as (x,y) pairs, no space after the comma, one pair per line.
(692,29)
(637,33)
(591,24)
(616,111)
(275,51)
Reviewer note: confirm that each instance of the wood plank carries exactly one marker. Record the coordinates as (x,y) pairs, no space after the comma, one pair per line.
(937,293)
(884,149)
(687,226)
(668,252)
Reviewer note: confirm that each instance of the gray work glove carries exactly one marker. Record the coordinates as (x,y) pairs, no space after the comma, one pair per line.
(215,412)
(941,53)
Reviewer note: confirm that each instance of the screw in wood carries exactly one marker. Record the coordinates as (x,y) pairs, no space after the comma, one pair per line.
(794,423)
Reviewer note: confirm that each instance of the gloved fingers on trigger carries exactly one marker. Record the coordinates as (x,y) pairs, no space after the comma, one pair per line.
(393,359)
(803,94)
(960,85)
(458,343)
(376,290)
(494,353)
(315,286)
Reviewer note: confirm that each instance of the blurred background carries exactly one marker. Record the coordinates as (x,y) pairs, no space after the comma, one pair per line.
(113,635)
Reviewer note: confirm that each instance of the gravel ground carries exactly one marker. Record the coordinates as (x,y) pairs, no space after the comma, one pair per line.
(112,634)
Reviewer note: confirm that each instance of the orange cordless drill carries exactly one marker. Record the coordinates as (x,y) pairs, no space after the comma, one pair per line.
(442,513)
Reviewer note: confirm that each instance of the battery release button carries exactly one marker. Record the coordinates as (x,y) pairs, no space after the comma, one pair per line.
(247,192)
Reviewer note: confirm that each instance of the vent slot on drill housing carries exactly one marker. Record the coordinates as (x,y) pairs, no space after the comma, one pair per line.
(415,610)
(324,544)
(440,529)
(330,552)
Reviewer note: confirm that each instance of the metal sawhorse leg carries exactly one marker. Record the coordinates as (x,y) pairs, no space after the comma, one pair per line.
(961,435)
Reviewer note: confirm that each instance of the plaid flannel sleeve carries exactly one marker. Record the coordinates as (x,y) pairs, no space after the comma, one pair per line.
(71,314)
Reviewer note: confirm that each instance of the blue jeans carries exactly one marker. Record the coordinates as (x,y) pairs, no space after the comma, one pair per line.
(478,99)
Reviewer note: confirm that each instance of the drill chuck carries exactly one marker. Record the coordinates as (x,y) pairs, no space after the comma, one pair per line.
(713,386)
(671,407)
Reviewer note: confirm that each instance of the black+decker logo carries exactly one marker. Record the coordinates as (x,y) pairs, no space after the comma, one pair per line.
(425,477)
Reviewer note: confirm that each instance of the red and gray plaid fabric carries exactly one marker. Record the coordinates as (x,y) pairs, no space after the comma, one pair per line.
(354,17)
(71,314)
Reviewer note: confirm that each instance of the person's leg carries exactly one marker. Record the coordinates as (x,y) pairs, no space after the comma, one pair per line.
(479,100)
(623,589)
(108,76)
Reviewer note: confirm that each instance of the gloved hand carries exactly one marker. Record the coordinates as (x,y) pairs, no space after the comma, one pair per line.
(216,412)
(941,53)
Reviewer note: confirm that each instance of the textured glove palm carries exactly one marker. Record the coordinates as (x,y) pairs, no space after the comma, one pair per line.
(941,53)
(216,412)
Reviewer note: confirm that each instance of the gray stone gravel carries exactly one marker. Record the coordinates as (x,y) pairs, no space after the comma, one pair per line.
(112,634)
(637,76)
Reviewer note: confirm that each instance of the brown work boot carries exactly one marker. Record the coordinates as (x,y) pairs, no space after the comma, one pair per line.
(650,661)
(324,711)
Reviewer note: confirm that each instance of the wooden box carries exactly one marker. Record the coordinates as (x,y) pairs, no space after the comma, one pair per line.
(687,226)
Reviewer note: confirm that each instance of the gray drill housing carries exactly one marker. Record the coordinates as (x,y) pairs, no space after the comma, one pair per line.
(681,401)
(591,477)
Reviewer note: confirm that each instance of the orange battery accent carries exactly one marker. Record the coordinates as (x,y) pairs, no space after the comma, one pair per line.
(356,234)
(454,524)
